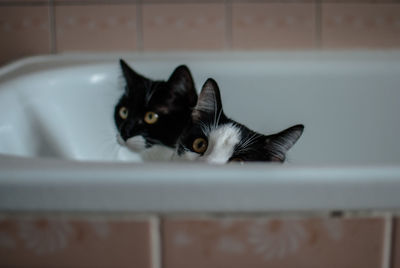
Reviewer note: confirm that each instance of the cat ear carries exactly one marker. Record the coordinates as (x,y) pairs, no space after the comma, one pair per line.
(181,81)
(132,78)
(209,101)
(278,144)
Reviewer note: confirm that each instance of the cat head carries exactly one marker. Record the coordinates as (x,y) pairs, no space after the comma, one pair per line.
(154,112)
(214,138)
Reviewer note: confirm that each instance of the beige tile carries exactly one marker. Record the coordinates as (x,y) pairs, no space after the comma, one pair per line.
(361,25)
(310,243)
(96,27)
(24,31)
(276,26)
(50,242)
(183,26)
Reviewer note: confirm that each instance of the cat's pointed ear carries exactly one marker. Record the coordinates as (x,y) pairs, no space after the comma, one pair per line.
(278,144)
(181,82)
(132,78)
(209,101)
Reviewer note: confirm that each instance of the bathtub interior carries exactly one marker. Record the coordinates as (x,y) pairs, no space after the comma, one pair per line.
(350,105)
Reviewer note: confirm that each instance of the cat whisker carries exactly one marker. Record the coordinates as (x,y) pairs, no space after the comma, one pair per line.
(186,149)
(154,141)
(150,91)
(206,128)
(244,149)
(109,148)
(107,139)
(219,117)
(215,109)
(115,151)
(249,140)
(245,145)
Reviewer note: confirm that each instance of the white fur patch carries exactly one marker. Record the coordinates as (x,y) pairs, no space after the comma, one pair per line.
(221,144)
(136,143)
(158,153)
(186,156)
(154,153)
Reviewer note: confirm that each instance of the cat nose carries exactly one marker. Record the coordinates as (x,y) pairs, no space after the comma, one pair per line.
(130,130)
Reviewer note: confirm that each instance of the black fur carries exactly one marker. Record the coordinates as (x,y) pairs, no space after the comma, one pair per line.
(173,100)
(208,114)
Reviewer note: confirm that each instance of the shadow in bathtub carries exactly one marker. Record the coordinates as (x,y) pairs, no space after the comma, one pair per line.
(47,137)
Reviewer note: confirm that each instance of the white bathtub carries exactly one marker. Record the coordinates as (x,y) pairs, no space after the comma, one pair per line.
(58,149)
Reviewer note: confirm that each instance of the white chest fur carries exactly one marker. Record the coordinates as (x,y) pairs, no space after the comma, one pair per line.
(154,153)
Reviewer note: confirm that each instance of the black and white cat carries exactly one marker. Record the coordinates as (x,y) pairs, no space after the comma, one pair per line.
(151,114)
(214,138)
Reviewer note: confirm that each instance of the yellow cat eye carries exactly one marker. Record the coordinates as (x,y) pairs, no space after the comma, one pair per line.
(123,112)
(150,118)
(200,145)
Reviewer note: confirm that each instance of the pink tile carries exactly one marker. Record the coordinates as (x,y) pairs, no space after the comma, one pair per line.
(25,1)
(396,244)
(361,25)
(360,1)
(83,2)
(178,1)
(183,26)
(96,28)
(311,243)
(24,31)
(96,242)
(276,26)
(352,1)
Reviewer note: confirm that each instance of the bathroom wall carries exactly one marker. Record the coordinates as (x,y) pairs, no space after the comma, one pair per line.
(180,241)
(31,27)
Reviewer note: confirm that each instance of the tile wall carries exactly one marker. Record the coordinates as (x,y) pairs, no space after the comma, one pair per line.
(54,241)
(30,27)
(170,241)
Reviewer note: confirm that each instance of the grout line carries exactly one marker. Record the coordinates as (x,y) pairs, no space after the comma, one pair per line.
(281,215)
(97,2)
(118,2)
(24,4)
(155,242)
(318,24)
(139,26)
(387,241)
(52,27)
(228,24)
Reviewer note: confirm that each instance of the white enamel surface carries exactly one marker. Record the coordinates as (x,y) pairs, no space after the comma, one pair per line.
(58,140)
(62,113)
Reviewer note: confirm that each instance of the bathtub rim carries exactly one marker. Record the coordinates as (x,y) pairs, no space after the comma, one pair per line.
(46,61)
(72,186)
(368,187)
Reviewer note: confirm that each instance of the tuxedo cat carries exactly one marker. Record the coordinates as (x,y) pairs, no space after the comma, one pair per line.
(151,114)
(214,138)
